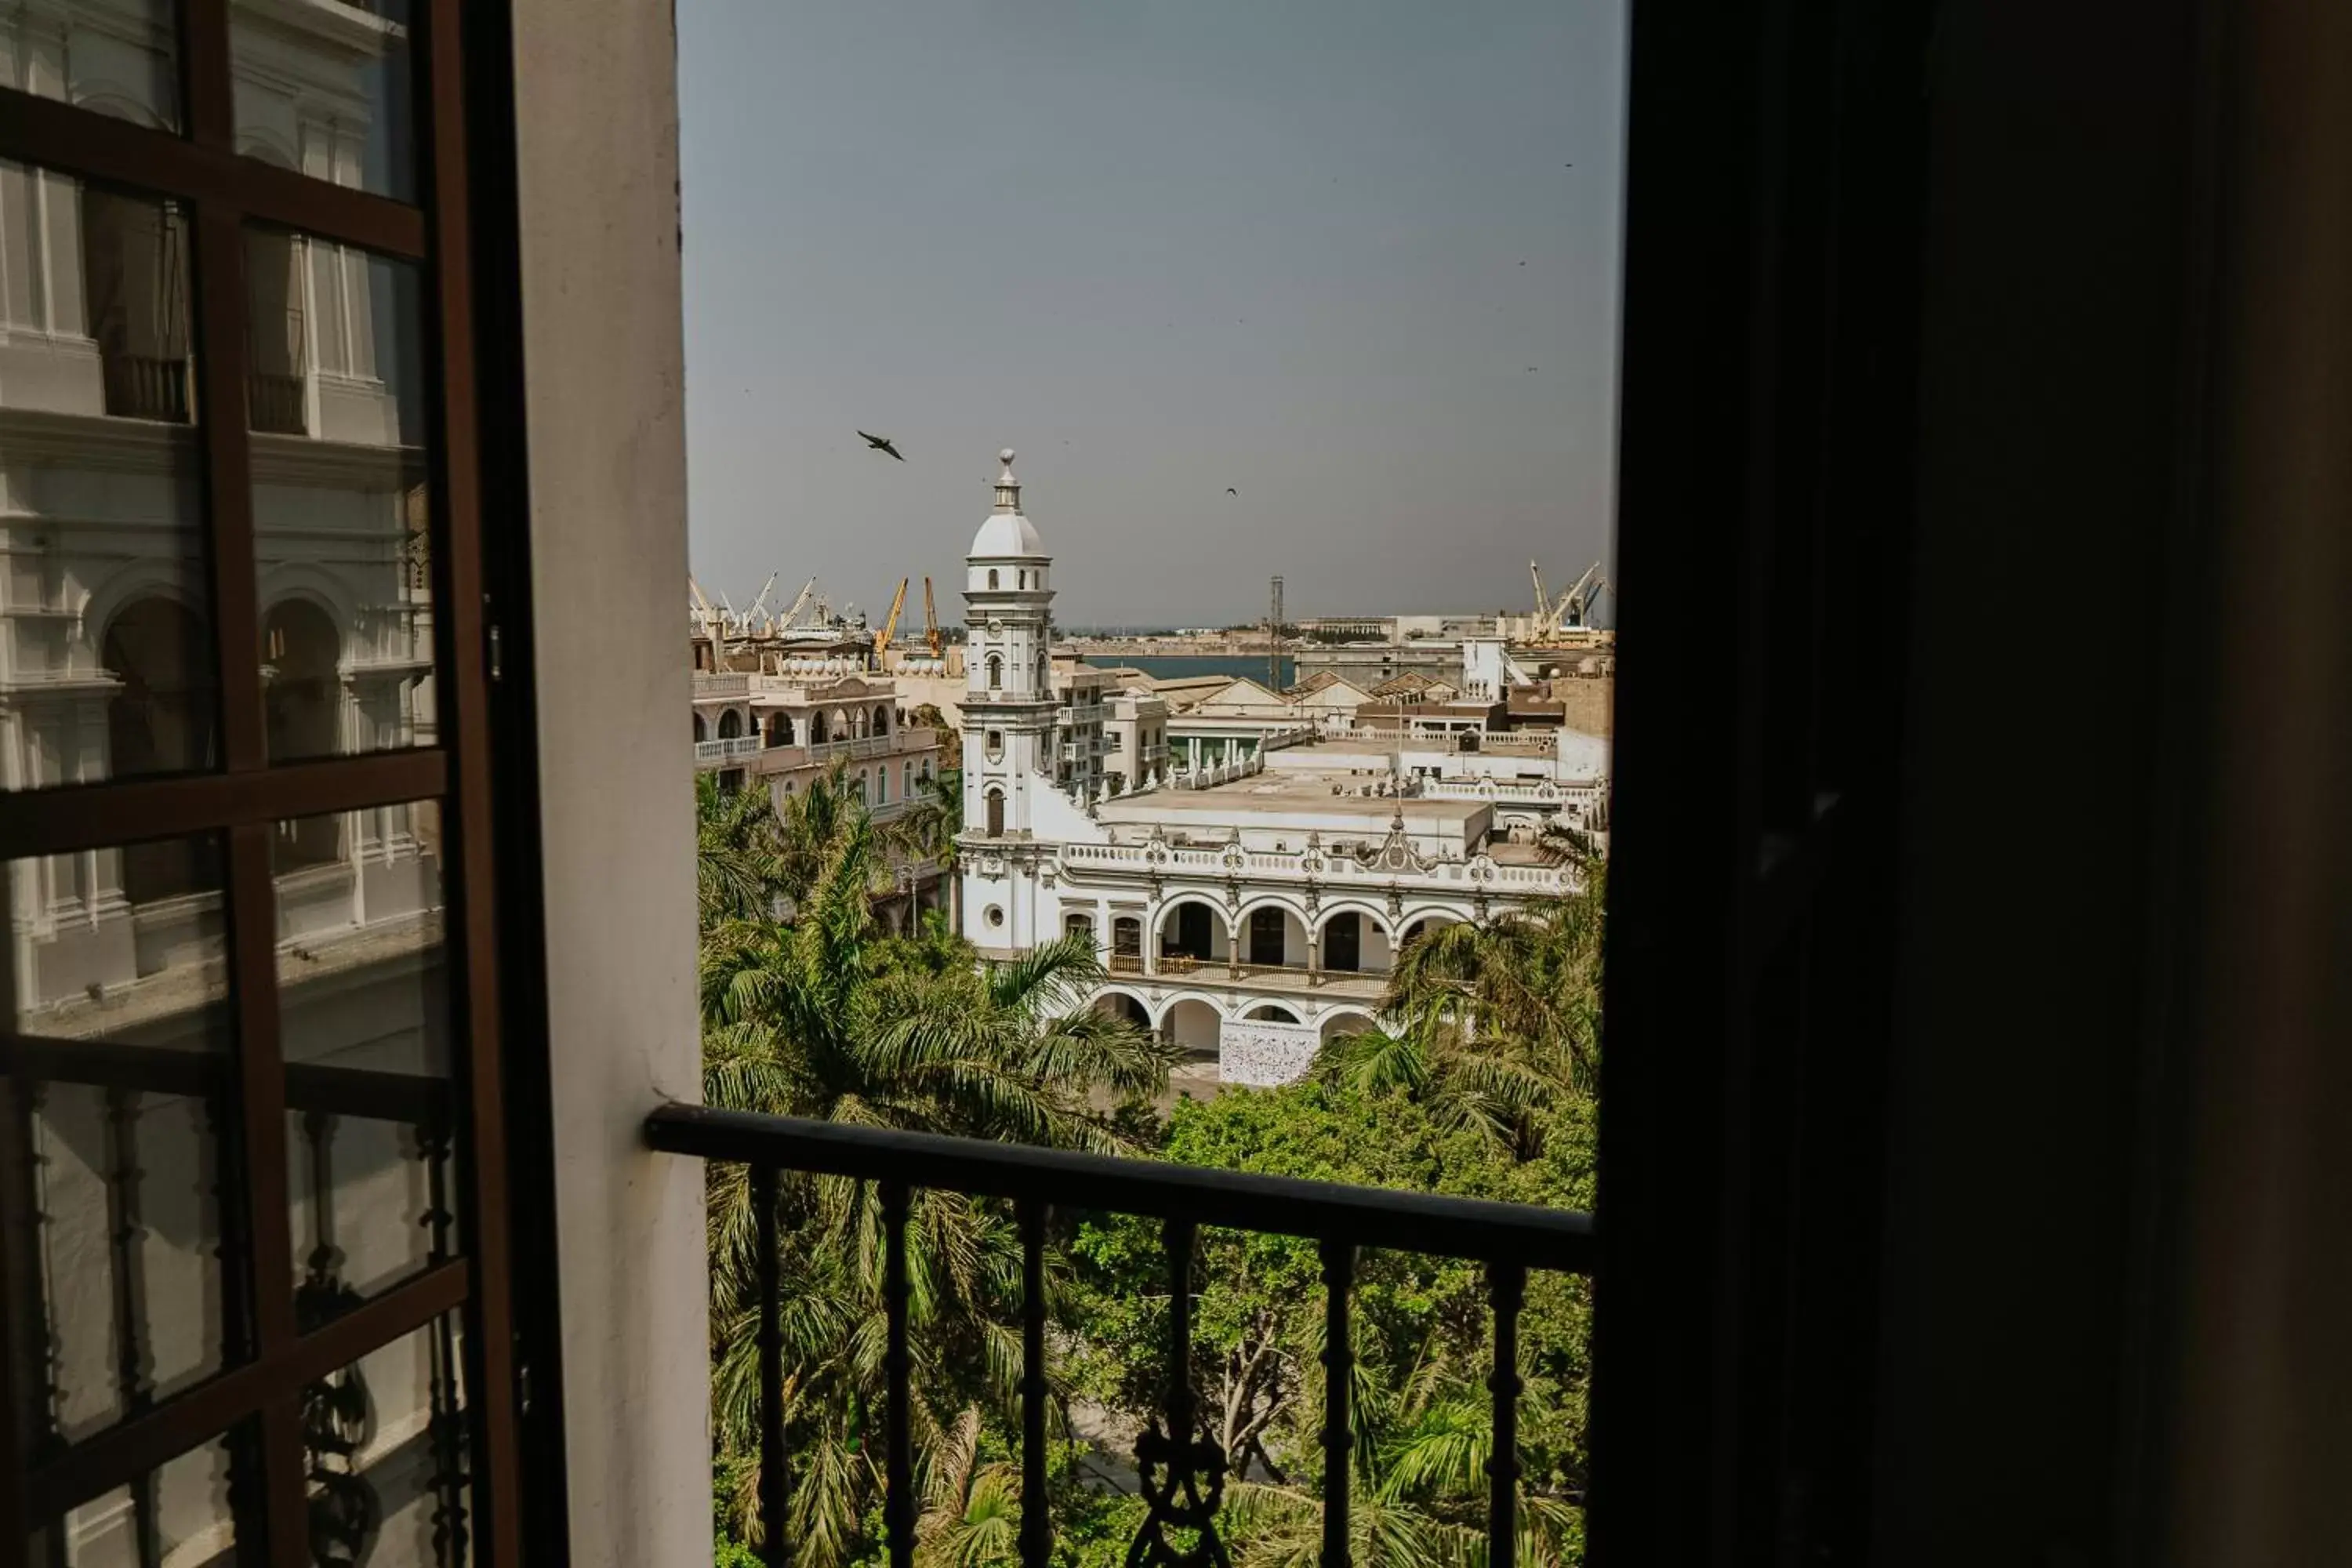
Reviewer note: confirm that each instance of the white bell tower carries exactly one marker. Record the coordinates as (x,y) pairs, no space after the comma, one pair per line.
(1008,712)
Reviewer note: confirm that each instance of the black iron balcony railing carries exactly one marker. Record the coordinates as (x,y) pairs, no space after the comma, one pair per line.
(278,404)
(136,1086)
(144,386)
(1180,1468)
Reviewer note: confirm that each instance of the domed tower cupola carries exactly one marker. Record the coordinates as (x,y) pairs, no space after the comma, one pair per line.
(1009,702)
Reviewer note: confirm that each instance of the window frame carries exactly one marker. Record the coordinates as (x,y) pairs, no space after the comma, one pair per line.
(199,167)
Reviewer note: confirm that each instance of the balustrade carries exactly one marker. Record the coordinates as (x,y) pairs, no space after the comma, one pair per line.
(1182,1467)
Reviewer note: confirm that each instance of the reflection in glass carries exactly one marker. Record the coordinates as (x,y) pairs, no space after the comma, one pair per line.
(383,1444)
(364,1018)
(119,58)
(335,397)
(105,647)
(180,1512)
(322,87)
(119,1095)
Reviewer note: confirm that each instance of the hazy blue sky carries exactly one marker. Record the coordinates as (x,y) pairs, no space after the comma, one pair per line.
(1327,252)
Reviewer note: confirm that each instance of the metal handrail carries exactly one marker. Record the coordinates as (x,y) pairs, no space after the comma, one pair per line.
(1509,1238)
(1478,1228)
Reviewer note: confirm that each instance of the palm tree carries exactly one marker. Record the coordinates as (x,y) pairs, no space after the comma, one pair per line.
(821,1018)
(928,829)
(1493,1024)
(738,860)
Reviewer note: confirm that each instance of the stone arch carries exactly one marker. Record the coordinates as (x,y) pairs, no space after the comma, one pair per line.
(839,728)
(995,668)
(991,577)
(819,731)
(1274,1013)
(731,724)
(995,806)
(701,730)
(302,647)
(161,719)
(780,729)
(1194,1022)
(1415,923)
(1273,930)
(1356,938)
(1345,1021)
(881,720)
(257,141)
(1206,940)
(1118,1002)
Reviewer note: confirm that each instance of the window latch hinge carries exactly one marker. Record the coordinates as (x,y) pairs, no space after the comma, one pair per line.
(497,661)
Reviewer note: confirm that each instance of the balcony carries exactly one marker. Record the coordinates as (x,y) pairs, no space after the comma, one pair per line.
(1182,1468)
(864,746)
(1083,714)
(1294,979)
(138,386)
(733,749)
(278,404)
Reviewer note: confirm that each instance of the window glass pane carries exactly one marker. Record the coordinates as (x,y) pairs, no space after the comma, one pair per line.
(180,1513)
(106,653)
(364,1012)
(114,57)
(120,1090)
(322,87)
(384,1446)
(335,397)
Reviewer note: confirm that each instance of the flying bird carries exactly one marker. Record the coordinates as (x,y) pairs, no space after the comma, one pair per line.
(1231,492)
(882,443)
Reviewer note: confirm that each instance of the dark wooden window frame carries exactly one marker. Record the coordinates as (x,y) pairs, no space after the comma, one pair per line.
(247,797)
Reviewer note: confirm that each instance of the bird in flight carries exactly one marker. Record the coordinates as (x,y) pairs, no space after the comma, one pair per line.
(1231,492)
(882,443)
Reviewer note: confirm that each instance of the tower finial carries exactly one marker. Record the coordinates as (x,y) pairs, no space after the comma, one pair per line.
(1008,489)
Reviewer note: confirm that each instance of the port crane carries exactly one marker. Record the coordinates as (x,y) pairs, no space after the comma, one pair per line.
(931,633)
(714,624)
(751,616)
(890,627)
(1572,611)
(800,602)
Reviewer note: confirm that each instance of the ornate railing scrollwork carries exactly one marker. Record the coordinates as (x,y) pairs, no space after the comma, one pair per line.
(1181,1471)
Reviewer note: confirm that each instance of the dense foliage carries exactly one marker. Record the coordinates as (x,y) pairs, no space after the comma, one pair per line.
(1481,1085)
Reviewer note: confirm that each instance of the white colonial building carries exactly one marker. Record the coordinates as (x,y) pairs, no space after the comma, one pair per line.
(1246,910)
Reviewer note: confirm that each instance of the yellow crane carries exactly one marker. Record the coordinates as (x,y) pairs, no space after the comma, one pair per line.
(931,633)
(891,627)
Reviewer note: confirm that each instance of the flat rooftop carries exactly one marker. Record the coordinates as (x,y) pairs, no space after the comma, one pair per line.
(1291,790)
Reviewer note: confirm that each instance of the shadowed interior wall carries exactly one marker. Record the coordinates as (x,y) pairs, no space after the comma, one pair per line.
(596,115)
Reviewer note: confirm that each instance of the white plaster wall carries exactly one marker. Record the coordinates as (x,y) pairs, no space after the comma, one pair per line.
(597,115)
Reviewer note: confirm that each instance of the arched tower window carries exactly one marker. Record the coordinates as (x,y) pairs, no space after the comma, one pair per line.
(780,729)
(730,725)
(996,813)
(995,673)
(881,720)
(992,578)
(701,730)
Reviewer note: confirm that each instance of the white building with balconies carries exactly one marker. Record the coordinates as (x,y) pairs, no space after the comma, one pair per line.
(1245,911)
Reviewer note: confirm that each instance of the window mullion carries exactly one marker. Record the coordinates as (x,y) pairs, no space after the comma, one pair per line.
(205,78)
(220,356)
